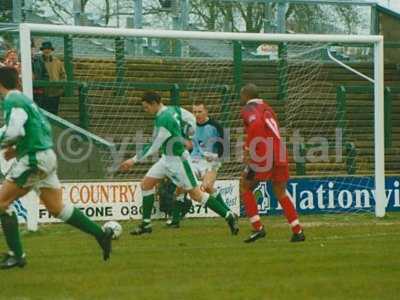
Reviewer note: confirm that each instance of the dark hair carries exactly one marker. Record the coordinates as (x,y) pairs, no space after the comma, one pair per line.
(201,102)
(9,77)
(250,90)
(151,97)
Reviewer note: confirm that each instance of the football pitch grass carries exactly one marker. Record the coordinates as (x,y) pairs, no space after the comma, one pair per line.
(345,256)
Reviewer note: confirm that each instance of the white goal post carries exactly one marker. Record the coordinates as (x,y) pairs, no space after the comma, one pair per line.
(377,41)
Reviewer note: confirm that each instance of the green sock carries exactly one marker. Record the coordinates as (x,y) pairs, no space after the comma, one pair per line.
(148,202)
(11,233)
(218,197)
(176,212)
(216,206)
(83,223)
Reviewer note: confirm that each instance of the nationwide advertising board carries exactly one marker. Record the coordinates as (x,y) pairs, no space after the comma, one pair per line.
(331,194)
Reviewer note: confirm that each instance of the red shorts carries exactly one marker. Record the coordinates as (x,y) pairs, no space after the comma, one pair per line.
(276,174)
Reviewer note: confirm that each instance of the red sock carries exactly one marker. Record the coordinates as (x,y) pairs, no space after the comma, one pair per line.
(250,205)
(290,214)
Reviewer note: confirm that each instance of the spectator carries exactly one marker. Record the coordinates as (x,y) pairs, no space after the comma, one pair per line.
(56,71)
(39,72)
(11,60)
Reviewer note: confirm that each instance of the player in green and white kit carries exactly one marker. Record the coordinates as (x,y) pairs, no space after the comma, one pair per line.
(27,136)
(174,162)
(206,150)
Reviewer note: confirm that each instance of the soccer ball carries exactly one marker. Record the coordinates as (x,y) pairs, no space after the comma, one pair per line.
(115,226)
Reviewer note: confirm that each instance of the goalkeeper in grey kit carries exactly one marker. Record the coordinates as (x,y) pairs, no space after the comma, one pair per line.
(174,163)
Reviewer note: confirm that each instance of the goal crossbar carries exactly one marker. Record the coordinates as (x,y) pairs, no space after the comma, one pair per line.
(232,36)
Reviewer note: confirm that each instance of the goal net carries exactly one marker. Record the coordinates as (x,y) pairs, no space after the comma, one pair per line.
(335,140)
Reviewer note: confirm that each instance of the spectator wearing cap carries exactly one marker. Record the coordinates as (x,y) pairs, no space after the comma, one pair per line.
(55,70)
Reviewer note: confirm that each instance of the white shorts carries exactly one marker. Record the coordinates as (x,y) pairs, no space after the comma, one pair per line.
(35,171)
(201,166)
(178,169)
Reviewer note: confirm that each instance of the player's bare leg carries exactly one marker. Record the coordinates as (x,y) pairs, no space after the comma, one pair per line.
(9,221)
(181,207)
(52,199)
(148,186)
(279,189)
(208,181)
(247,186)
(9,192)
(207,185)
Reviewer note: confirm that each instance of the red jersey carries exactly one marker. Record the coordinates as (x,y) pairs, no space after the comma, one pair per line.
(263,139)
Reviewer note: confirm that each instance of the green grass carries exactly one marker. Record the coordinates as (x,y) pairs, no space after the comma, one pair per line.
(344,257)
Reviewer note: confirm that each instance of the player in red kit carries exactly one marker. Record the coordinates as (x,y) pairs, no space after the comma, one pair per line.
(266,159)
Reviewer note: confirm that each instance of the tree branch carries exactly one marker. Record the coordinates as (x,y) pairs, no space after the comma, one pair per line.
(53,5)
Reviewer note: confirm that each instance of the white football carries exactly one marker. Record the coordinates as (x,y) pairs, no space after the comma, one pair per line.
(115,226)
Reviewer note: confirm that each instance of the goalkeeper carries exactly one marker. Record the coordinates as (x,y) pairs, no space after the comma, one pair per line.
(174,163)
(206,150)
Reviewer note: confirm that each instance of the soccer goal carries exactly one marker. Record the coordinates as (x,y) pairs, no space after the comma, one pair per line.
(334,142)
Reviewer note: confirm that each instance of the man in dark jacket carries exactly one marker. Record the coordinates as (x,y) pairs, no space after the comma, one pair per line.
(39,72)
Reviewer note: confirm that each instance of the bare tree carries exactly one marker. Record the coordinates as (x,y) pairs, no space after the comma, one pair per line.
(206,12)
(60,11)
(350,16)
(323,18)
(214,15)
(253,15)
